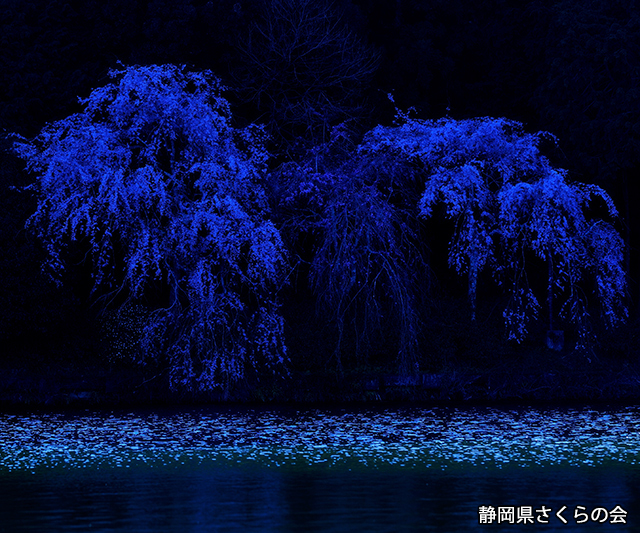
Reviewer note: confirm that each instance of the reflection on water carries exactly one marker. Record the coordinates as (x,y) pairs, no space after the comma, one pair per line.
(275,470)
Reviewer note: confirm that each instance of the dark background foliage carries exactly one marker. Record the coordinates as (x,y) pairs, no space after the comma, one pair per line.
(571,67)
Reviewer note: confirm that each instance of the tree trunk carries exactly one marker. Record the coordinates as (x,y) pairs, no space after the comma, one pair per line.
(550,290)
(473,281)
(555,338)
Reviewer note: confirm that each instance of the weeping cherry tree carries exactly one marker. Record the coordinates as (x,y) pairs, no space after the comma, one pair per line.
(549,218)
(506,198)
(464,162)
(366,268)
(166,197)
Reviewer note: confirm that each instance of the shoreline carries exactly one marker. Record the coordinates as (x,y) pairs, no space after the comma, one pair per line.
(102,388)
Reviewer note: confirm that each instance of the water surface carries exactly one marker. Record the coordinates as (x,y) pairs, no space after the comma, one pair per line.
(315,470)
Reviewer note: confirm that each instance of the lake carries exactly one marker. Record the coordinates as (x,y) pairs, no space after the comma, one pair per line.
(373,470)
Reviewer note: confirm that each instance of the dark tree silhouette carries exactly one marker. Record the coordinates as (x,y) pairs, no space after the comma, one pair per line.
(303,68)
(367,264)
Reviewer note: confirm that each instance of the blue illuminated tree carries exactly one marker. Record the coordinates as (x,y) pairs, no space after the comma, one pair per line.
(464,164)
(507,199)
(167,198)
(548,217)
